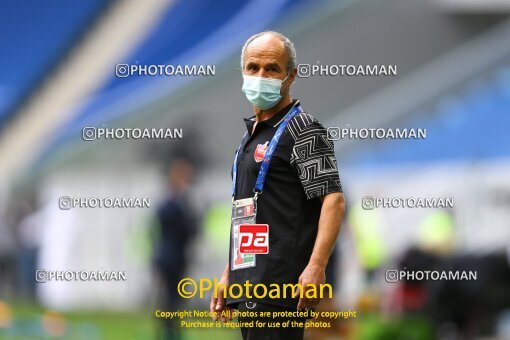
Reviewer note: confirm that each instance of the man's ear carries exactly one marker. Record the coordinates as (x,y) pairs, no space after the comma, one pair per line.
(292,76)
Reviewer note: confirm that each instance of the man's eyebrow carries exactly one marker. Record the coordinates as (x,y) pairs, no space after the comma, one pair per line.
(251,63)
(272,65)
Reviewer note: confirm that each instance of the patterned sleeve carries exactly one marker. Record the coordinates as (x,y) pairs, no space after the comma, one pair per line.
(313,157)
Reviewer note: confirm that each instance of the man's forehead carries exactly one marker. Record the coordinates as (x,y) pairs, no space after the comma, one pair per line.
(266,46)
(267,41)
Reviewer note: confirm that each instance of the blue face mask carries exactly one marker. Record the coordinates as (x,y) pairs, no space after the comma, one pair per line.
(264,93)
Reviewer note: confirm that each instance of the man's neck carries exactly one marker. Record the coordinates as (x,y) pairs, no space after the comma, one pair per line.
(261,115)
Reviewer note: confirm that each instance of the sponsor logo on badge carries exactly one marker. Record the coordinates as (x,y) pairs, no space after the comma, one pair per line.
(248,210)
(260,151)
(254,238)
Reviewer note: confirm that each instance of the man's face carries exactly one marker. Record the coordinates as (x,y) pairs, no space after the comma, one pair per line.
(267,57)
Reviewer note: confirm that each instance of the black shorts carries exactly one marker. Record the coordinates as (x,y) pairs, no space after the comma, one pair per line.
(277,331)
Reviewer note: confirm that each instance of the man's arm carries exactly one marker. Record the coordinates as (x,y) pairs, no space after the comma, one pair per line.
(218,302)
(332,212)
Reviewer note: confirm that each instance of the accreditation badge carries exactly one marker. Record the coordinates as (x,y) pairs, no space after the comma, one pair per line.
(244,212)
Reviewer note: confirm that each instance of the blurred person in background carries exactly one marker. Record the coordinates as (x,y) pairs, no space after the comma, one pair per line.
(366,229)
(471,309)
(452,309)
(435,246)
(29,232)
(176,224)
(8,249)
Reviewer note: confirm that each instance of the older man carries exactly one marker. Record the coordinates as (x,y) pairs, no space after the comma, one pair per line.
(286,192)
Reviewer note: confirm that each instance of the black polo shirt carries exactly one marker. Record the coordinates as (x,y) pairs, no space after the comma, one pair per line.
(302,169)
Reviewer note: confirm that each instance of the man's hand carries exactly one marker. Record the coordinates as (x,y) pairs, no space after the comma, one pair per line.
(332,212)
(218,302)
(312,275)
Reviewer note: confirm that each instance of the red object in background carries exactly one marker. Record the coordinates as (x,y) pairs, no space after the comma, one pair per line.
(412,298)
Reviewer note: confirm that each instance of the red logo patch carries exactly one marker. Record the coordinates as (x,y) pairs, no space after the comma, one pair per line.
(254,238)
(260,151)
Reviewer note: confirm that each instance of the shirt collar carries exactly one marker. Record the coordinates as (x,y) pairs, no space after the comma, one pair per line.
(274,120)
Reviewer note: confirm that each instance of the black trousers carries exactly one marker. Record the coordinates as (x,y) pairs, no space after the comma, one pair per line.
(269,333)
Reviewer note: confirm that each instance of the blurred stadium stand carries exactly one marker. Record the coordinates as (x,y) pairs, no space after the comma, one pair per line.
(461,127)
(36,36)
(213,35)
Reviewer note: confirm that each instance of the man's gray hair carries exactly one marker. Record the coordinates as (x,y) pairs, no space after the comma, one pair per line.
(289,47)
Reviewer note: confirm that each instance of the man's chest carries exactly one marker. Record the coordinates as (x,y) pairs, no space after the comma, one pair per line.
(255,148)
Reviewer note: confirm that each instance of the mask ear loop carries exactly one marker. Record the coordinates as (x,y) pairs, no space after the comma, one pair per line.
(284,79)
